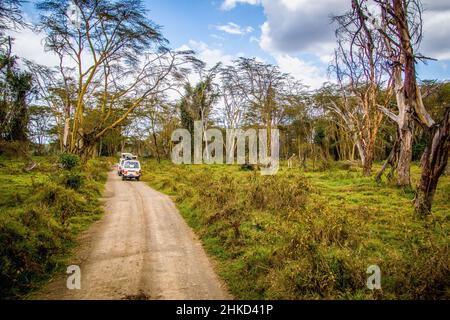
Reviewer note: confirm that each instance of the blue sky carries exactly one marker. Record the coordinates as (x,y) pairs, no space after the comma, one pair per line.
(295,34)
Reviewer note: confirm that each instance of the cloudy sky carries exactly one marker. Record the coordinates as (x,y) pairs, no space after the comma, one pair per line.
(294,34)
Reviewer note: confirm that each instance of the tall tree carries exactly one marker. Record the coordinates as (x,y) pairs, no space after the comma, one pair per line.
(114,53)
(198,101)
(234,100)
(400,25)
(264,88)
(358,67)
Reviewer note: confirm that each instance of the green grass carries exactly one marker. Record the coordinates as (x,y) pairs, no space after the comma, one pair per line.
(312,235)
(40,218)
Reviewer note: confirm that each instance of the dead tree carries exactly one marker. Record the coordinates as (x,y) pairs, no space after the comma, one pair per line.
(393,65)
(402,31)
(359,74)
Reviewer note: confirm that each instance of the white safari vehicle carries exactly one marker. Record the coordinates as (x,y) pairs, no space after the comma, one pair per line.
(131,169)
(124,157)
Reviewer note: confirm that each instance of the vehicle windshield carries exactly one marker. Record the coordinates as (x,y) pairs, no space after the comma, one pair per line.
(132,165)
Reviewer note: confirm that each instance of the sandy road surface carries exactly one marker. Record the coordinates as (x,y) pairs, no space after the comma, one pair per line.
(142,248)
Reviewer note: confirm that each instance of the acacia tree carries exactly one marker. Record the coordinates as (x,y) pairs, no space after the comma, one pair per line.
(56,93)
(400,25)
(358,67)
(435,157)
(40,125)
(11,18)
(297,123)
(234,100)
(198,101)
(114,54)
(395,71)
(264,88)
(345,114)
(153,125)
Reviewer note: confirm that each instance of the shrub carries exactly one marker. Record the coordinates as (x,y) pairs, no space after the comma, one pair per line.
(31,246)
(281,194)
(324,165)
(248,167)
(72,180)
(39,217)
(63,203)
(96,170)
(344,165)
(69,161)
(14,149)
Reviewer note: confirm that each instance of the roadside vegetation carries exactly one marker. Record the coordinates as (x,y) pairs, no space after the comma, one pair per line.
(41,212)
(312,234)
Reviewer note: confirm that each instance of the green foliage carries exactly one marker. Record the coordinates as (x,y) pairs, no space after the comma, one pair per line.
(13,149)
(96,169)
(62,203)
(319,135)
(69,161)
(73,180)
(15,88)
(311,235)
(31,247)
(40,217)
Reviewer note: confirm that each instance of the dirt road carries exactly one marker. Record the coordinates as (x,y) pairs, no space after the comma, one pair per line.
(142,248)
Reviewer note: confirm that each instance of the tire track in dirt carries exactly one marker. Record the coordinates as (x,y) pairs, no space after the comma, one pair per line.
(141,248)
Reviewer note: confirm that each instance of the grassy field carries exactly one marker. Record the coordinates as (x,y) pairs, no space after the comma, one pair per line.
(312,234)
(41,212)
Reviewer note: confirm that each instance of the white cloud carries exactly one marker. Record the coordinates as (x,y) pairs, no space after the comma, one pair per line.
(230,4)
(304,71)
(217,37)
(304,26)
(294,26)
(436,33)
(233,28)
(254,39)
(30,45)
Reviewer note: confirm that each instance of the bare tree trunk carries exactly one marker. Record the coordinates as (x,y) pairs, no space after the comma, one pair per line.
(405,157)
(99,153)
(367,164)
(434,161)
(360,149)
(65,141)
(405,130)
(435,157)
(156,147)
